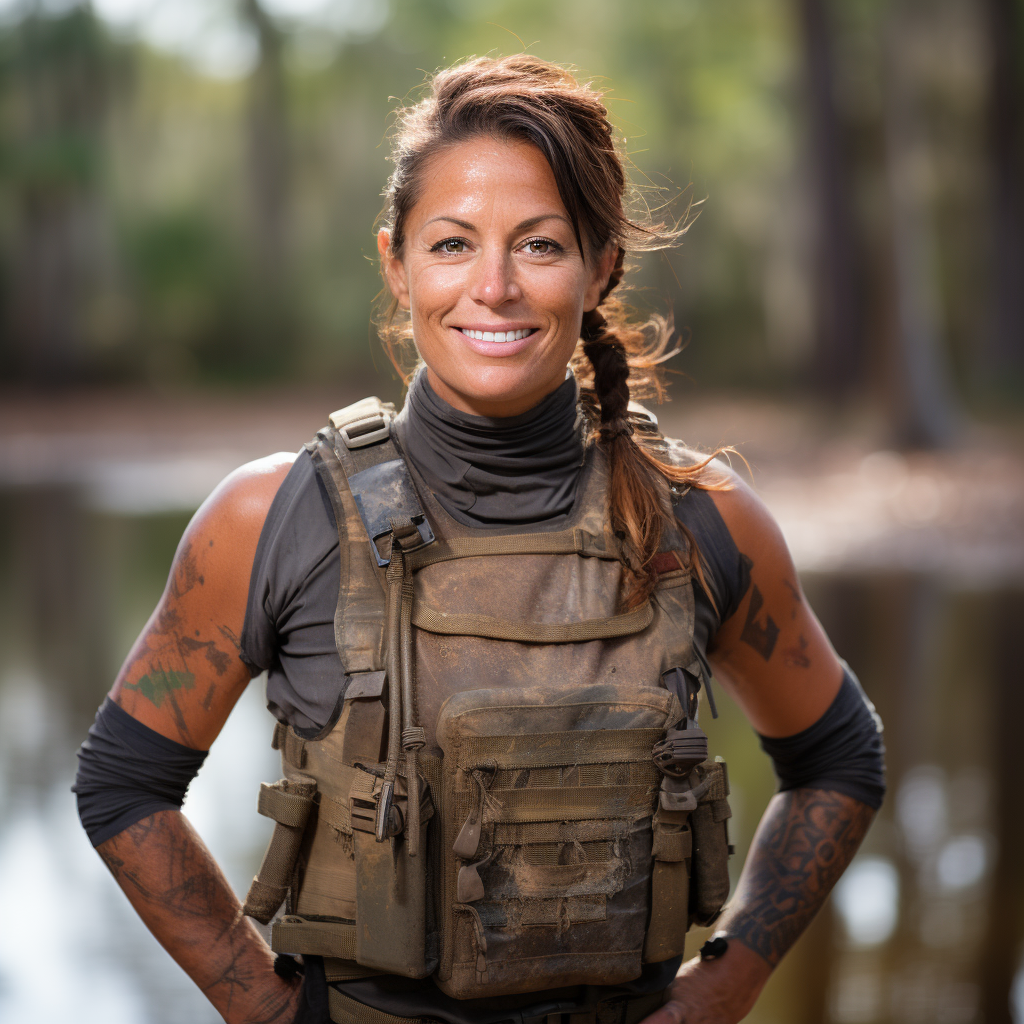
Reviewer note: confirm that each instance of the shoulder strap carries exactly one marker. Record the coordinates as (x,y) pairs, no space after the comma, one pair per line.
(368,485)
(377,475)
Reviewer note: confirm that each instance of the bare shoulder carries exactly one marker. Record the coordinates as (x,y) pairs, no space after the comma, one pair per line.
(245,495)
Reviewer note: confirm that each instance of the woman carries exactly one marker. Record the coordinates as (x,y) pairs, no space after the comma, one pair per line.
(502,246)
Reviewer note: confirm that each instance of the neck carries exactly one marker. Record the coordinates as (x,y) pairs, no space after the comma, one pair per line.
(495,471)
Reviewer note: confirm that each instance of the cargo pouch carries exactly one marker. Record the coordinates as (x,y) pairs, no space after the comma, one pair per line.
(709,868)
(289,803)
(392,884)
(546,842)
(670,886)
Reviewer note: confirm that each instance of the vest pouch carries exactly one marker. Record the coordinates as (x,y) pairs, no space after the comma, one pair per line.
(709,882)
(545,844)
(670,886)
(289,803)
(391,902)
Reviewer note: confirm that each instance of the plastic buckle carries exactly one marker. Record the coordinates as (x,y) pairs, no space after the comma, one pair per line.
(422,528)
(366,431)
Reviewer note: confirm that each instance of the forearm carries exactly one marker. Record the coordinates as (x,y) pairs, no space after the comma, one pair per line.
(179,891)
(804,842)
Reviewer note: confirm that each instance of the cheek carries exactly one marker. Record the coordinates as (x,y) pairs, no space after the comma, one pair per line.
(558,290)
(435,289)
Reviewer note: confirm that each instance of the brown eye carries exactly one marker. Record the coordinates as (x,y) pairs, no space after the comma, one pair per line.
(453,245)
(539,247)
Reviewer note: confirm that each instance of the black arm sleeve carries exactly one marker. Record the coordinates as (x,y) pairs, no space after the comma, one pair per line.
(127,771)
(842,751)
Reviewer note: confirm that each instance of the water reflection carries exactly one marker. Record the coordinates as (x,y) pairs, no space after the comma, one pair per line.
(926,927)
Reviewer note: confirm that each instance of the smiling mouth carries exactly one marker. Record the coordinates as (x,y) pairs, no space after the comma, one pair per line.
(498,336)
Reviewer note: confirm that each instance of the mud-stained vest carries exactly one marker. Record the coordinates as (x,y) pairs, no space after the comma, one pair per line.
(516,795)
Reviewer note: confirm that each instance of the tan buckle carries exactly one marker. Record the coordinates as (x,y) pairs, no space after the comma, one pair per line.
(368,430)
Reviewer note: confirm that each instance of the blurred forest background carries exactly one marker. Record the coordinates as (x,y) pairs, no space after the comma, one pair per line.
(188,192)
(188,189)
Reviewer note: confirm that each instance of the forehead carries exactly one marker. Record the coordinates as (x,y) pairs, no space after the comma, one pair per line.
(486,177)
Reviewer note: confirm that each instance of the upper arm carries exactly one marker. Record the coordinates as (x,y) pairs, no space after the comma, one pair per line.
(772,653)
(184,672)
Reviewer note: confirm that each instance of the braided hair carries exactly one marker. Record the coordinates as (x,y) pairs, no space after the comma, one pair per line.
(527,99)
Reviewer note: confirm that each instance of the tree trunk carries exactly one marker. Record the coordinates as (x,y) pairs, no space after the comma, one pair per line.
(918,392)
(1006,142)
(1000,959)
(838,350)
(268,160)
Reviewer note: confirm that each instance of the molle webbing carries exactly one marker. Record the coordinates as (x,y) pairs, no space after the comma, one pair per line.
(468,624)
(564,542)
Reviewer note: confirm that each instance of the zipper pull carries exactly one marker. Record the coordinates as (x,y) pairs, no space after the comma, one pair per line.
(467,842)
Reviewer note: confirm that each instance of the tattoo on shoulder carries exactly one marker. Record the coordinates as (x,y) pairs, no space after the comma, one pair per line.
(796,656)
(806,840)
(167,661)
(229,635)
(761,638)
(157,685)
(186,573)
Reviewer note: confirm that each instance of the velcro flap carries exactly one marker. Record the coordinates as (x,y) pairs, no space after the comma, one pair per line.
(288,808)
(565,803)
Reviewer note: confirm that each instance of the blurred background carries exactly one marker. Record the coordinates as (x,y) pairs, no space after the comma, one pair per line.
(188,190)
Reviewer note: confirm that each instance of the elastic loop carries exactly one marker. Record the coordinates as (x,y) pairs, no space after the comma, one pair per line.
(414,738)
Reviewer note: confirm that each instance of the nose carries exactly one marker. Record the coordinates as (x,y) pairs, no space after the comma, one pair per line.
(493,280)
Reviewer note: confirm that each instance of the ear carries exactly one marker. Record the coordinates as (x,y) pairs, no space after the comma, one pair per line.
(599,276)
(393,269)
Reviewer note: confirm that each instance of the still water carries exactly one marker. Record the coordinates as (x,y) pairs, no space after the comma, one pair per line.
(927,926)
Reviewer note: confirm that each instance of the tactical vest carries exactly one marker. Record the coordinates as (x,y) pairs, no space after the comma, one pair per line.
(515,795)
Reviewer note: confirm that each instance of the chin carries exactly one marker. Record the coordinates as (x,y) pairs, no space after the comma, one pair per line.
(506,390)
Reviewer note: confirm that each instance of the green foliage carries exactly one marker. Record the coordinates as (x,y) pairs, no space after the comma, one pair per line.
(229,223)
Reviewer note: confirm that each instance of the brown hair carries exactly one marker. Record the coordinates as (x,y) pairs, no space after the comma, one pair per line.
(531,100)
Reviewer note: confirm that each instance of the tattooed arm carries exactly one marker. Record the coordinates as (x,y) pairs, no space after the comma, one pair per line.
(182,678)
(777,663)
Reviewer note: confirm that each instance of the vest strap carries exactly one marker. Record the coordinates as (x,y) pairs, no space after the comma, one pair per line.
(378,477)
(562,542)
(470,624)
(293,934)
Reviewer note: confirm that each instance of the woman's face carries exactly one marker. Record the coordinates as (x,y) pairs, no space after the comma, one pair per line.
(492,276)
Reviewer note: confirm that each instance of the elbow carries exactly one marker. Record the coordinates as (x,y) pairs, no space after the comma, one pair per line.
(127,771)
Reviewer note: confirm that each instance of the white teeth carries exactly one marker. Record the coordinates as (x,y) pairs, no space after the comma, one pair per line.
(497,336)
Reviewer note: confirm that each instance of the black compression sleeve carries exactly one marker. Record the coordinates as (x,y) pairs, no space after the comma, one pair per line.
(127,771)
(842,751)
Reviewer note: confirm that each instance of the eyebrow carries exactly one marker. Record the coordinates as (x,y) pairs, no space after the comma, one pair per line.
(521,226)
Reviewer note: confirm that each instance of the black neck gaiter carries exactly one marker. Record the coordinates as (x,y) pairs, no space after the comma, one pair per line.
(488,472)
